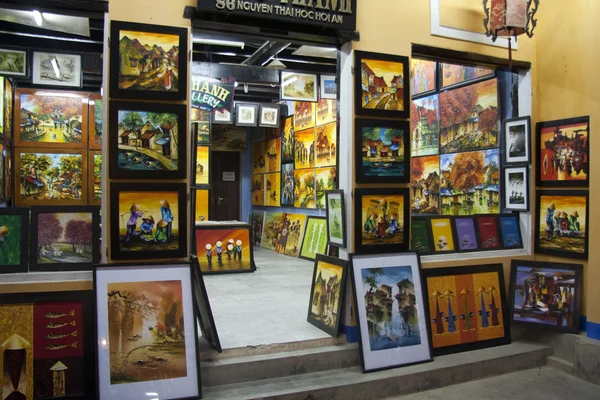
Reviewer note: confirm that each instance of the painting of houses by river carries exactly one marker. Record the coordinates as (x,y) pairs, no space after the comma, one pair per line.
(425,185)
(425,126)
(383,84)
(51,176)
(326,294)
(65,237)
(383,152)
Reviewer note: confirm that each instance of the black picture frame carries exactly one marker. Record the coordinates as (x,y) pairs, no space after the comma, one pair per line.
(515,220)
(473,269)
(34,265)
(34,66)
(506,143)
(343,264)
(23,214)
(505,196)
(238,106)
(216,121)
(182,74)
(358,92)
(457,240)
(339,193)
(417,220)
(114,137)
(276,107)
(115,189)
(304,237)
(88,335)
(555,252)
(540,162)
(28,53)
(360,248)
(203,310)
(360,174)
(575,314)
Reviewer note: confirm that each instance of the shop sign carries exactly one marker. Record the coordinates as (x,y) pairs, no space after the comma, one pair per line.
(211,94)
(334,14)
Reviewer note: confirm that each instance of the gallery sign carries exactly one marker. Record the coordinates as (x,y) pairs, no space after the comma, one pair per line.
(210,94)
(334,14)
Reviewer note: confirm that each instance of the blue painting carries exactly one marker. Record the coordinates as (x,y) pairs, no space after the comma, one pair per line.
(511,235)
(382,152)
(465,233)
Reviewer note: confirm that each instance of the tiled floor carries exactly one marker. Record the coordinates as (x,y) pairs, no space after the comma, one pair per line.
(265,307)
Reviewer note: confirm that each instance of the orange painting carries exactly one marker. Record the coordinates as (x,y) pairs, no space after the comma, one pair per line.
(326,111)
(273,151)
(385,83)
(326,145)
(562,222)
(202,165)
(304,188)
(304,156)
(226,249)
(425,185)
(272,188)
(201,205)
(304,115)
(564,152)
(259,158)
(382,219)
(258,189)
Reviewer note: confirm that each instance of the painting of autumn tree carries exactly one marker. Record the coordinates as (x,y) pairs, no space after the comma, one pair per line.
(64,237)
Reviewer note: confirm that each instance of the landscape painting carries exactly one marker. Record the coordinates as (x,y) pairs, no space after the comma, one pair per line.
(425,126)
(287,184)
(257,189)
(14,240)
(13,62)
(95,121)
(469,117)
(326,145)
(283,232)
(425,185)
(304,188)
(95,177)
(315,238)
(228,138)
(470,183)
(422,76)
(453,74)
(304,115)
(304,151)
(327,294)
(298,86)
(326,111)
(224,249)
(442,235)
(202,175)
(272,187)
(326,179)
(287,140)
(54,69)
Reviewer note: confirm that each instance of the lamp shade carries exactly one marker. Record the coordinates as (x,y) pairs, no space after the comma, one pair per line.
(509,17)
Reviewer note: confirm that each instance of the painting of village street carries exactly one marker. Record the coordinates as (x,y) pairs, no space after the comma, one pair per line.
(470,183)
(326,178)
(469,117)
(52,119)
(562,222)
(425,185)
(148,61)
(326,145)
(383,85)
(564,153)
(425,126)
(390,302)
(304,152)
(283,232)
(50,176)
(224,249)
(326,294)
(383,153)
(382,219)
(146,331)
(304,188)
(64,238)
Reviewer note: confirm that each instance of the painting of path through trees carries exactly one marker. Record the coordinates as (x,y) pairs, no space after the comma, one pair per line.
(64,238)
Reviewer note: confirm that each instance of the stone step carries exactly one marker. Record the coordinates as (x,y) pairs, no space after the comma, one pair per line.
(351,383)
(562,365)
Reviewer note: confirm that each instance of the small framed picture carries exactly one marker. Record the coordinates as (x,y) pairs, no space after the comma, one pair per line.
(336,218)
(510,230)
(223,117)
(297,86)
(14,240)
(517,140)
(328,87)
(13,62)
(489,234)
(246,114)
(269,116)
(314,241)
(53,69)
(516,188)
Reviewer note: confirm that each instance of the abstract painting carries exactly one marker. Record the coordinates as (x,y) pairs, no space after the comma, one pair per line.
(257,220)
(95,177)
(336,218)
(326,145)
(201,204)
(53,69)
(425,185)
(510,230)
(381,151)
(315,238)
(563,156)
(381,88)
(516,188)
(273,147)
(546,295)
(326,111)
(287,140)
(95,121)
(272,187)
(327,293)
(304,115)
(442,235)
(489,233)
(561,223)
(298,86)
(203,309)
(425,126)
(469,117)
(283,232)
(454,74)
(328,87)
(420,231)
(391,312)
(423,75)
(304,188)
(13,62)
(202,165)
(287,185)
(145,61)
(228,138)
(224,249)
(326,179)
(517,140)
(467,308)
(466,234)
(304,151)
(14,240)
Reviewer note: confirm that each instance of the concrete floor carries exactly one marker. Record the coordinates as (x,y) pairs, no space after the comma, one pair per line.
(541,383)
(265,307)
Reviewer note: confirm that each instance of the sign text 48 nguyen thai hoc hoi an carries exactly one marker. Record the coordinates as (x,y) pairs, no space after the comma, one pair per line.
(335,14)
(210,94)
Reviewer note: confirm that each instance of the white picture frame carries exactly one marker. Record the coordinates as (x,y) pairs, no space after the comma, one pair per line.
(293,82)
(54,69)
(269,116)
(328,87)
(246,114)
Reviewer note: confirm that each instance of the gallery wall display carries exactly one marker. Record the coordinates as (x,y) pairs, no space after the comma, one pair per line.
(157,354)
(283,232)
(314,241)
(54,69)
(390,287)
(14,245)
(336,218)
(145,60)
(517,140)
(467,308)
(423,76)
(546,295)
(95,121)
(203,309)
(510,230)
(246,114)
(516,188)
(14,62)
(561,223)
(563,154)
(224,249)
(299,86)
(94,177)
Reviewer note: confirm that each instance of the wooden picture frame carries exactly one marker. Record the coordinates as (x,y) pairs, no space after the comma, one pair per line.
(466,234)
(94,179)
(516,187)
(442,234)
(204,312)
(516,141)
(396,66)
(421,240)
(510,231)
(488,228)
(332,197)
(95,142)
(327,90)
(14,229)
(291,77)
(54,69)
(262,122)
(241,119)
(19,66)
(174,59)
(315,238)
(327,294)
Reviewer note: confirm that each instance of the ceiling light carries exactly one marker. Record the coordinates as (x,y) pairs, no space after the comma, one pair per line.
(314,51)
(55,67)
(277,65)
(37,17)
(225,54)
(245,88)
(217,42)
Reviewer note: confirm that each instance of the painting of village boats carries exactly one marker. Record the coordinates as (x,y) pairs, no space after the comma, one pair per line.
(469,117)
(326,179)
(422,76)
(298,86)
(283,232)
(425,185)
(454,74)
(382,214)
(470,183)
(304,151)
(425,126)
(326,295)
(304,188)
(326,145)
(224,249)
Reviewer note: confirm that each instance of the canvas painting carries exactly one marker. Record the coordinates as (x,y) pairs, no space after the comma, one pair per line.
(563,152)
(13,62)
(516,188)
(14,240)
(489,232)
(467,308)
(287,140)
(246,114)
(546,295)
(257,220)
(380,151)
(259,157)
(287,185)
(328,87)
(422,76)
(202,175)
(7,128)
(425,126)
(298,86)
(327,294)
(326,111)
(425,185)
(453,74)
(3,176)
(3,110)
(470,183)
(561,223)
(258,189)
(442,235)
(57,69)
(315,238)
(304,115)
(304,188)
(304,151)
(201,130)
(466,234)
(517,140)
(224,249)
(269,116)
(511,232)
(95,121)
(201,204)
(95,177)
(229,138)
(274,155)
(326,179)
(326,145)
(420,236)
(272,187)
(283,232)
(336,218)
(469,117)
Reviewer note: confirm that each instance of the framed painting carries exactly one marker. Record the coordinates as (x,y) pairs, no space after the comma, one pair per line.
(326,145)
(335,212)
(48,345)
(13,62)
(54,69)
(287,140)
(327,111)
(421,240)
(425,185)
(51,119)
(510,230)
(64,238)
(147,141)
(257,189)
(489,232)
(381,151)
(304,188)
(203,309)
(95,177)
(246,114)
(459,107)
(224,249)
(425,126)
(201,125)
(269,116)
(545,295)
(14,240)
(157,353)
(563,154)
(147,221)
(381,220)
(229,138)
(287,185)
(423,76)
(516,188)
(564,230)
(201,204)
(201,165)
(223,117)
(379,88)
(297,86)
(471,182)
(390,288)
(272,187)
(328,87)
(467,308)
(467,236)
(315,238)
(456,74)
(442,235)
(283,232)
(326,179)
(95,121)
(257,220)
(50,177)
(145,61)
(517,140)
(305,115)
(304,142)
(327,294)
(8,110)
(3,110)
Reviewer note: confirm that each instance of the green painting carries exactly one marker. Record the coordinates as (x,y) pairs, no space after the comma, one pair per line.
(315,238)
(335,212)
(10,240)
(420,237)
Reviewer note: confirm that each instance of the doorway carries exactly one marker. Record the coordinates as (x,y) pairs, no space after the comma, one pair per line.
(225,197)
